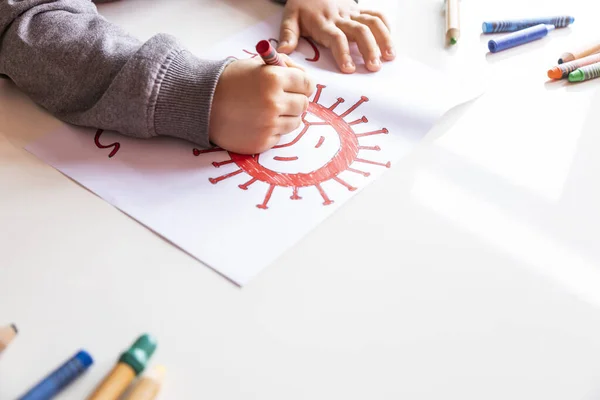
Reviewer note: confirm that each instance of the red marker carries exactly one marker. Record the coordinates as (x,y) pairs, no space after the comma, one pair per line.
(269,54)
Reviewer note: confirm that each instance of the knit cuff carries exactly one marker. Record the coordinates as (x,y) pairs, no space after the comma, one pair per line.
(185,96)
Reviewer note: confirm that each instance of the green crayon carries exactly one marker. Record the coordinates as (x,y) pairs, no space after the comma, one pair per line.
(585,73)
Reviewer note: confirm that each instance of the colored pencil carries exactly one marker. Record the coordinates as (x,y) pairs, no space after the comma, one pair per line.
(452,21)
(566,57)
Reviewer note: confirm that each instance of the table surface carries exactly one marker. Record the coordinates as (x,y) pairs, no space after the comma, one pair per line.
(470,270)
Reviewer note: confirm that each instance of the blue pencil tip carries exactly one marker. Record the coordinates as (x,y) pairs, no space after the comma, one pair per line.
(571,20)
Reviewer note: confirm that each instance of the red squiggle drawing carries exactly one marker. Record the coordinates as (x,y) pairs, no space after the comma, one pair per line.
(116,145)
(343,160)
(315,49)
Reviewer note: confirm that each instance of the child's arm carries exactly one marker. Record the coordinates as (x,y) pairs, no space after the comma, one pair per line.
(89,72)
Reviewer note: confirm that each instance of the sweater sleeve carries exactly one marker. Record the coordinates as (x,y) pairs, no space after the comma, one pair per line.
(89,72)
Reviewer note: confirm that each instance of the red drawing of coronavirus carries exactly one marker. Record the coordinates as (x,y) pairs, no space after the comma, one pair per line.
(344,158)
(116,146)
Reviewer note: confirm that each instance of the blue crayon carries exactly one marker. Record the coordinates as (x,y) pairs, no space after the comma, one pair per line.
(56,381)
(518,24)
(519,37)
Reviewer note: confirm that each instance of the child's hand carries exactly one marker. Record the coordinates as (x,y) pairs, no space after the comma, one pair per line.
(333,23)
(254,104)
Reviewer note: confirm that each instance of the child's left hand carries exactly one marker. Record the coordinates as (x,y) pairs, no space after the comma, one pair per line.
(335,23)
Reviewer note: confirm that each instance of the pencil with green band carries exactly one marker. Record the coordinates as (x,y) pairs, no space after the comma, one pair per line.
(130,364)
(452,21)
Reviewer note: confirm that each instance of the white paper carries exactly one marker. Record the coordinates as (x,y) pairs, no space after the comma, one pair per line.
(238,214)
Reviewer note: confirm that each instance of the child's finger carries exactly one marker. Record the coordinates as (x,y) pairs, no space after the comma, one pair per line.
(367,45)
(290,32)
(290,63)
(335,39)
(297,81)
(379,15)
(288,124)
(294,105)
(381,33)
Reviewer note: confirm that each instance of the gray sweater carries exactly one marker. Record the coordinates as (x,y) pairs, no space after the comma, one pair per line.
(89,72)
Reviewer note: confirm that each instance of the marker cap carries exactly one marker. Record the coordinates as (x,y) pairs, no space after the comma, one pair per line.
(139,353)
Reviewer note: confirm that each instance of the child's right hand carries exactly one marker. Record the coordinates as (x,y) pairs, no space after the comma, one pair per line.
(254,104)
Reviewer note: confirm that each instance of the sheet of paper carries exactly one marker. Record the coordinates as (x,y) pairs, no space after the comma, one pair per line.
(236,213)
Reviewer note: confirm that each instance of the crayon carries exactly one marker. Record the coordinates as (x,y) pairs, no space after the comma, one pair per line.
(60,378)
(585,73)
(519,24)
(7,334)
(562,71)
(519,37)
(149,386)
(130,364)
(452,21)
(269,54)
(567,57)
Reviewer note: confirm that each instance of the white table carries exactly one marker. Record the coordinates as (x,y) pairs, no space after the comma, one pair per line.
(469,271)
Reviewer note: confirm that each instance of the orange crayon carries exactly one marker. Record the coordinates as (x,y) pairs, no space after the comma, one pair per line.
(567,57)
(562,71)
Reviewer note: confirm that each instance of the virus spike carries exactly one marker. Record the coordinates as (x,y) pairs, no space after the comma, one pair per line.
(337,103)
(320,142)
(218,164)
(384,131)
(220,178)
(359,121)
(318,93)
(356,171)
(363,99)
(197,152)
(387,165)
(350,188)
(295,194)
(293,142)
(323,194)
(263,206)
(376,148)
(244,186)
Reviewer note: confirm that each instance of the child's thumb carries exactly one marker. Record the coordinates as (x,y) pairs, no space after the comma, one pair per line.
(290,31)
